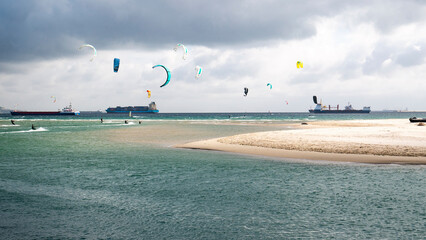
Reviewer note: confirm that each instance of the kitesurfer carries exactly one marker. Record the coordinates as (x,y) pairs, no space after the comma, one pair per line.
(126,122)
(12,121)
(102,120)
(32,127)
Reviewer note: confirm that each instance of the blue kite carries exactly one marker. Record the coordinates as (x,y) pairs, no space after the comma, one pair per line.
(116,64)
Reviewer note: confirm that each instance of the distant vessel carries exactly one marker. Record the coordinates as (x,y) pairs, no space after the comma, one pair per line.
(151,108)
(65,111)
(319,108)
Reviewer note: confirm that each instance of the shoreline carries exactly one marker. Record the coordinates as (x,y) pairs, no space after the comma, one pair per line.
(391,141)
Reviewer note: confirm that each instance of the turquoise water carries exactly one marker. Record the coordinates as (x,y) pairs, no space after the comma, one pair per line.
(74,178)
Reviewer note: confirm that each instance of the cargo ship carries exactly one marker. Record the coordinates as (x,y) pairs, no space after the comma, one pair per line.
(68,110)
(151,108)
(319,108)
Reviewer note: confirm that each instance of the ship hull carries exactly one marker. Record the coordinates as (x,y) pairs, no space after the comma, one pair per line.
(133,112)
(151,108)
(56,113)
(338,111)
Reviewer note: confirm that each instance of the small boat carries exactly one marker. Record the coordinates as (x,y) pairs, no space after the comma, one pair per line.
(414,119)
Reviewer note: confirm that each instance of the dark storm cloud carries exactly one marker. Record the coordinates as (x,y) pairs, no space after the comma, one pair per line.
(43,29)
(50,28)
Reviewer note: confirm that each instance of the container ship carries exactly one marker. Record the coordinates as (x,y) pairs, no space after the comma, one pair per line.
(65,111)
(319,108)
(151,108)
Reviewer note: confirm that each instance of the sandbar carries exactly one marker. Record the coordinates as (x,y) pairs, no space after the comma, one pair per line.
(388,141)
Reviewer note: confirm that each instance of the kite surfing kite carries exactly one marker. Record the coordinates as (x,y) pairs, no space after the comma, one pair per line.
(54,98)
(116,64)
(299,64)
(185,50)
(270,85)
(90,46)
(245,92)
(149,93)
(198,71)
(168,74)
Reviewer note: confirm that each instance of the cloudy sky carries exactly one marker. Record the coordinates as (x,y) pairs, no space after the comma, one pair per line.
(368,53)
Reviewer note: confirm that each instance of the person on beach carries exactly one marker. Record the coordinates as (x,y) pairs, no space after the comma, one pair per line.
(140,122)
(126,122)
(102,120)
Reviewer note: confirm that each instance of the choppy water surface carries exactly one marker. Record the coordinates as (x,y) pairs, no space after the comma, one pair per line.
(71,179)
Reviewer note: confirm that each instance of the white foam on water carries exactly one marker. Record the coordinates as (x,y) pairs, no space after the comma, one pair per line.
(40,129)
(125,124)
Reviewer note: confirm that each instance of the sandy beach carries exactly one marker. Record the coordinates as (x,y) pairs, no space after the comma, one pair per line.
(390,141)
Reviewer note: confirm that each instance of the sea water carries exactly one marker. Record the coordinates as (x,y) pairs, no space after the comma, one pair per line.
(75,178)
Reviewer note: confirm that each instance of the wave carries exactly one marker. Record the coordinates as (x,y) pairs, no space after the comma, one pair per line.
(124,124)
(40,129)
